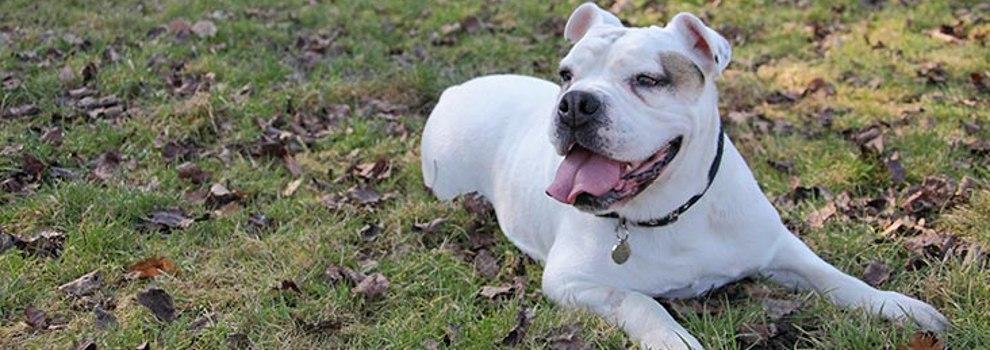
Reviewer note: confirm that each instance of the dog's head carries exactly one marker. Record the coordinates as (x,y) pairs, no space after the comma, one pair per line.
(631,99)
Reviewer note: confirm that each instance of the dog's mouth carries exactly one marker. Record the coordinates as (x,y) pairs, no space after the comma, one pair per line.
(594,182)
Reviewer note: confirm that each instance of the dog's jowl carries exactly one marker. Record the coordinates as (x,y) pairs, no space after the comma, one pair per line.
(620,180)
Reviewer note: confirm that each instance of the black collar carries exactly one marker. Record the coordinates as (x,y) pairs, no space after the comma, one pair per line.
(676,213)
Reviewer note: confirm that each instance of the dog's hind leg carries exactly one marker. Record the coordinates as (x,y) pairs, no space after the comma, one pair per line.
(640,316)
(795,265)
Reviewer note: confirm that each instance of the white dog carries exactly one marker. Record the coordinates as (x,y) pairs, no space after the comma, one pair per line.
(638,193)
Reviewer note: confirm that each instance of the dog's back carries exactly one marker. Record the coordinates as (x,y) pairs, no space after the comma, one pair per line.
(470,122)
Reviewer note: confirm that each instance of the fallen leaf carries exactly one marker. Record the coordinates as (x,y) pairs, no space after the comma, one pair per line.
(485,264)
(6,241)
(933,72)
(143,346)
(364,195)
(104,319)
(84,285)
(85,344)
(869,139)
(819,85)
(895,168)
(518,332)
(981,81)
(46,244)
(334,274)
(292,165)
(817,218)
(220,196)
(159,302)
(258,223)
(169,219)
(476,204)
(923,340)
(876,273)
(429,227)
(493,292)
(111,55)
(784,166)
(106,164)
(619,5)
(53,136)
(66,75)
(756,334)
(893,227)
(239,341)
(369,232)
(567,338)
(781,97)
(372,286)
(206,320)
(685,307)
(173,150)
(10,82)
(35,318)
(430,344)
(204,29)
(333,201)
(288,285)
(479,240)
(378,170)
(89,72)
(20,111)
(150,268)
(191,172)
(81,92)
(778,308)
(930,244)
(180,28)
(291,188)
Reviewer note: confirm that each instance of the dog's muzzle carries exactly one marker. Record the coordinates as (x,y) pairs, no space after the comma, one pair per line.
(577,109)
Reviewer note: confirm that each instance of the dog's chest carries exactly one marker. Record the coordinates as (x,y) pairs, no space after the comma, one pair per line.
(689,260)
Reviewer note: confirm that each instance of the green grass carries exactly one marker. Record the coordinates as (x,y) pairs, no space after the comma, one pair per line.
(384,51)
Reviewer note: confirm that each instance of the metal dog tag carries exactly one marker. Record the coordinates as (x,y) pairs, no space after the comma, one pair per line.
(621,251)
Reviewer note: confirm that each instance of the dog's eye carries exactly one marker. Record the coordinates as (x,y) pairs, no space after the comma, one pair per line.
(644,80)
(566,75)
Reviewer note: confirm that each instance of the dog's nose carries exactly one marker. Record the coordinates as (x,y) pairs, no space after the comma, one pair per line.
(577,108)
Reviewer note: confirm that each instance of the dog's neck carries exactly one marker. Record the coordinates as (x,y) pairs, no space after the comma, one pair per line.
(687,176)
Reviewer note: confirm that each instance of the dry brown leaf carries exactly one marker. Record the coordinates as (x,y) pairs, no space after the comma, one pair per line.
(204,29)
(159,302)
(35,317)
(83,285)
(486,264)
(518,333)
(921,340)
(151,267)
(818,217)
(876,273)
(372,286)
(429,227)
(291,188)
(492,292)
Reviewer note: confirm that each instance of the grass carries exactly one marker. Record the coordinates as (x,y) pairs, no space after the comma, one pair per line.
(398,53)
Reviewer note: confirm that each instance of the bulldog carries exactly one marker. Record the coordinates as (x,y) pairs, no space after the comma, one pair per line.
(638,193)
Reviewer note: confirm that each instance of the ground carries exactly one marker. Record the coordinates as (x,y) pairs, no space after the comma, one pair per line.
(255,164)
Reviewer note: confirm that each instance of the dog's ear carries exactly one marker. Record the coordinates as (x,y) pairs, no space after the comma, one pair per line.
(586,16)
(708,49)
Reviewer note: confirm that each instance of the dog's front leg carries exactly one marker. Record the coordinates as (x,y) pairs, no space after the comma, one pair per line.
(795,265)
(640,316)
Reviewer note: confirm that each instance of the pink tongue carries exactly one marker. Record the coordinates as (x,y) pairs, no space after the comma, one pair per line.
(584,172)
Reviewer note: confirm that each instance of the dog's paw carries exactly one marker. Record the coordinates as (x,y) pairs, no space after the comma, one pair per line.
(902,308)
(666,340)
